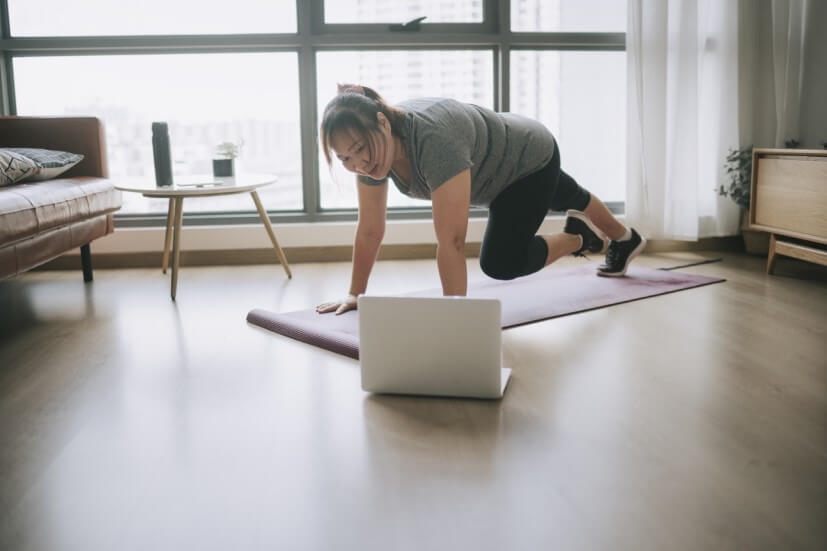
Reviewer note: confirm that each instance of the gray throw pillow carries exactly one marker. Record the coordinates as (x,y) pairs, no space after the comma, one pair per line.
(51,164)
(14,167)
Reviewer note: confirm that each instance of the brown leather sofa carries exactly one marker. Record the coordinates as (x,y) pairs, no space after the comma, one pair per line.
(40,221)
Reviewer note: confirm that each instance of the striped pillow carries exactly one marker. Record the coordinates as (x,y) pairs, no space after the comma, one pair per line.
(51,164)
(14,167)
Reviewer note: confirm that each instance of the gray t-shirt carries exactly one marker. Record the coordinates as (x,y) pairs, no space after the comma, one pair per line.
(443,137)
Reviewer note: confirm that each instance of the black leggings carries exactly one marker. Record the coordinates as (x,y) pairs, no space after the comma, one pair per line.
(511,247)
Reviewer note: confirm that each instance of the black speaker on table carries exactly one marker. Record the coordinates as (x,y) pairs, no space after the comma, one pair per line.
(161,153)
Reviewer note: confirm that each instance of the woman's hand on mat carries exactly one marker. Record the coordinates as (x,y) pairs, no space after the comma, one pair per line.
(339,306)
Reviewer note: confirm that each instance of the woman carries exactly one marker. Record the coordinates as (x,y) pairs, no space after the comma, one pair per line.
(459,155)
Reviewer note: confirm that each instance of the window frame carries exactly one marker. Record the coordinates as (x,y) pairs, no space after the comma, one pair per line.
(312,36)
(487,25)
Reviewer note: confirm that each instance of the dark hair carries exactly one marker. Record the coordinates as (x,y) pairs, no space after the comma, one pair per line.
(355,110)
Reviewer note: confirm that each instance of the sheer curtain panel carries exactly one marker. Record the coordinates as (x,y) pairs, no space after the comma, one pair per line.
(682,60)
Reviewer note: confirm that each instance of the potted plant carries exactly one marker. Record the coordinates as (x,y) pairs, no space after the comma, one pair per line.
(739,169)
(224,164)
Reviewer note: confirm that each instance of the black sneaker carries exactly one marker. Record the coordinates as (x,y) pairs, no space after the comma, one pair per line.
(620,254)
(578,223)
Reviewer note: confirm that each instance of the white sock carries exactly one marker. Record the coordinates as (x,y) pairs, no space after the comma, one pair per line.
(626,236)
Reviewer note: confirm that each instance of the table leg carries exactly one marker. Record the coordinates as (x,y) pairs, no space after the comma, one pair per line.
(267,226)
(168,236)
(176,242)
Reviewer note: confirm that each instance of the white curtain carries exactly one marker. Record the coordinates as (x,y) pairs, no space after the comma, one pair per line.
(682,116)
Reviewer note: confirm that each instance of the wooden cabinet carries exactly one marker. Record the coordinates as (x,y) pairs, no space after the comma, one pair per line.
(788,199)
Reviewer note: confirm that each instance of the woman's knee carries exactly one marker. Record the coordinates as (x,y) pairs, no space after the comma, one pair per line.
(513,262)
(569,195)
(496,268)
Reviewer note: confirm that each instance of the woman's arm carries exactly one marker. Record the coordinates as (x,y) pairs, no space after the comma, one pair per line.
(369,233)
(370,229)
(451,201)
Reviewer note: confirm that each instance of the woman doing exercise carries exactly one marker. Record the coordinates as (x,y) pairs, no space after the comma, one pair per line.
(460,155)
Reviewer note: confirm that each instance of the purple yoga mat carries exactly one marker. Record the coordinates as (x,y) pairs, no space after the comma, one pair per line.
(549,293)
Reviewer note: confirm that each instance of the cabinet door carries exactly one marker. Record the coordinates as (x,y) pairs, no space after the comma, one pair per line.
(791,195)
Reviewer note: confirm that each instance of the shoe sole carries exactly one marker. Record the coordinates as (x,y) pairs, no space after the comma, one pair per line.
(585,219)
(636,251)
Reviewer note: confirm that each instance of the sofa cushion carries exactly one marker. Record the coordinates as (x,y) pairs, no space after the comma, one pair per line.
(50,164)
(15,167)
(31,208)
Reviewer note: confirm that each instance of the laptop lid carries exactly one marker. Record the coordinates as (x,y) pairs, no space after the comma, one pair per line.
(438,346)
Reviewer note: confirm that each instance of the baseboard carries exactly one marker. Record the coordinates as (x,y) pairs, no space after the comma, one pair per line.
(731,243)
(335,254)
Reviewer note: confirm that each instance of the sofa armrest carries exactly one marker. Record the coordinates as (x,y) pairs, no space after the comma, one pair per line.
(82,135)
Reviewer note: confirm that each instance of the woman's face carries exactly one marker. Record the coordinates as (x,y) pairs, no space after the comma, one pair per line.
(355,152)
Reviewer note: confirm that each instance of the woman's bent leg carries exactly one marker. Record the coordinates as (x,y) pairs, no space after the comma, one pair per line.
(511,247)
(570,195)
(602,217)
(560,245)
(625,243)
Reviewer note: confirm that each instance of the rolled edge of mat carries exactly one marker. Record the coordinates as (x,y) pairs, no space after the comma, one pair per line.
(340,343)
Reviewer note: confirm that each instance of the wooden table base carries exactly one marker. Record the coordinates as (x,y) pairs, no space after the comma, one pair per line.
(168,236)
(176,242)
(173,233)
(267,226)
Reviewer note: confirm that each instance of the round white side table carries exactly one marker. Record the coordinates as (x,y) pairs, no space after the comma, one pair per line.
(204,186)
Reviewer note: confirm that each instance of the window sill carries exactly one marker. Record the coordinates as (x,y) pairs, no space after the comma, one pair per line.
(319,234)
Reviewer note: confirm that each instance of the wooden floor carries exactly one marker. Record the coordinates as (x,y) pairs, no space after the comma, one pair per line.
(695,420)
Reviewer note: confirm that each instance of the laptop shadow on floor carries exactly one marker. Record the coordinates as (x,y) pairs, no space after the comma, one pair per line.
(432,427)
(448,436)
(429,412)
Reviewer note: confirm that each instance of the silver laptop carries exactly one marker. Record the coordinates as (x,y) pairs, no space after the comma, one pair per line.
(440,346)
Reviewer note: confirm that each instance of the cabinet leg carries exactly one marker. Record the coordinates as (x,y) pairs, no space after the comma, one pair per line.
(772,255)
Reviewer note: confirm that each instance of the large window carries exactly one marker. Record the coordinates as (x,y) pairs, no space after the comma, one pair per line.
(581,98)
(568,15)
(251,99)
(466,75)
(259,72)
(150,17)
(386,11)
